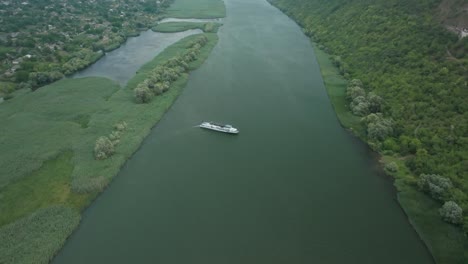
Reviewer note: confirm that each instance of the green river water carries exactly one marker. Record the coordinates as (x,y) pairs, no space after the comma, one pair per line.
(292,187)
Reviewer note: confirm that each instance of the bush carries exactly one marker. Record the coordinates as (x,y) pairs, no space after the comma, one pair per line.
(353,92)
(391,167)
(360,106)
(209,27)
(355,82)
(122,126)
(435,185)
(378,127)
(115,135)
(143,94)
(451,213)
(104,148)
(375,102)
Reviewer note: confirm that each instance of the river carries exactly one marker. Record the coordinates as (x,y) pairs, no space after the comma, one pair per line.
(122,63)
(292,187)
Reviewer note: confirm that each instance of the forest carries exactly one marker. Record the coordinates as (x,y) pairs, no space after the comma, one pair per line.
(408,82)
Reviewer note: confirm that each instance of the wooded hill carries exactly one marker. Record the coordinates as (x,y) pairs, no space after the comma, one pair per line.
(401,55)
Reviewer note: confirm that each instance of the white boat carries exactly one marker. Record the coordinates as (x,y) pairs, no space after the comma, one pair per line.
(219,127)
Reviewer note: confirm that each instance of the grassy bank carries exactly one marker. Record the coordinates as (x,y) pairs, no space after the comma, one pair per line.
(336,88)
(49,173)
(196,9)
(446,242)
(171,27)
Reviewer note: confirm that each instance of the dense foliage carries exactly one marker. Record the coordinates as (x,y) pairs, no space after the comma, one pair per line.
(416,67)
(451,212)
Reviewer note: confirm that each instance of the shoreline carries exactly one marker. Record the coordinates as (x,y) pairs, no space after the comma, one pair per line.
(52,184)
(445,242)
(141,118)
(411,212)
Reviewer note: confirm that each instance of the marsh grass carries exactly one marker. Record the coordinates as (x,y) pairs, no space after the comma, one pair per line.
(36,238)
(48,185)
(47,165)
(171,27)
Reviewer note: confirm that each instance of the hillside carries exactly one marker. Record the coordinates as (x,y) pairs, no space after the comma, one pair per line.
(408,84)
(453,14)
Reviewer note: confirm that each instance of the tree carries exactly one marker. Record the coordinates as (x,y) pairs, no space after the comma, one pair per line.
(354,92)
(391,167)
(435,185)
(360,106)
(375,102)
(451,213)
(143,94)
(355,82)
(103,148)
(378,127)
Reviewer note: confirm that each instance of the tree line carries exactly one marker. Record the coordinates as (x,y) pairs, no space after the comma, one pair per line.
(408,80)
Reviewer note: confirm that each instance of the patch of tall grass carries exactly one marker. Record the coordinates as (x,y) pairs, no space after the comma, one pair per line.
(196,9)
(48,139)
(37,126)
(37,237)
(170,27)
(336,89)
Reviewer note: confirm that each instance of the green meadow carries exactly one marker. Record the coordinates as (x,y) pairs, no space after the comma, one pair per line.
(196,9)
(49,172)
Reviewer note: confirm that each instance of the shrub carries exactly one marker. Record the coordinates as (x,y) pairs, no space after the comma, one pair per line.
(378,127)
(122,126)
(435,185)
(353,92)
(209,27)
(391,167)
(143,94)
(355,82)
(451,213)
(115,135)
(104,148)
(375,102)
(360,106)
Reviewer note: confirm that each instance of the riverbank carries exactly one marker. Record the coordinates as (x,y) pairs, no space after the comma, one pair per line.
(445,242)
(67,117)
(172,27)
(273,194)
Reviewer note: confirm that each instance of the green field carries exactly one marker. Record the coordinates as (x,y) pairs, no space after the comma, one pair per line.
(171,27)
(196,9)
(49,173)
